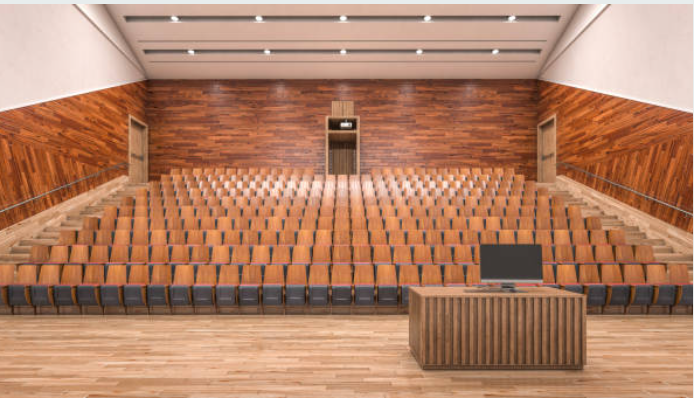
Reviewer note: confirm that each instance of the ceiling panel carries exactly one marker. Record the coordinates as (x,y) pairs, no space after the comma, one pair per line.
(307,35)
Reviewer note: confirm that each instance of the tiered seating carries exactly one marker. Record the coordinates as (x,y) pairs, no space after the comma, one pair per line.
(285,237)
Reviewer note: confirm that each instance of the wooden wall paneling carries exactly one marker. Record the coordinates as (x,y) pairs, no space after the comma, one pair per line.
(645,147)
(49,144)
(281,123)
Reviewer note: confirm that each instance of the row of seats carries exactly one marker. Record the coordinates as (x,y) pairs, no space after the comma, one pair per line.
(328,237)
(287,171)
(385,205)
(452,188)
(325,254)
(316,285)
(366,196)
(339,238)
(343,224)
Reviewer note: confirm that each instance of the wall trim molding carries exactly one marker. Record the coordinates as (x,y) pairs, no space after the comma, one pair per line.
(562,45)
(126,52)
(626,97)
(654,228)
(73,94)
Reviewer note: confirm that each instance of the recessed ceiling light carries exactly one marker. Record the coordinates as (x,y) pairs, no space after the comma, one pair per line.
(259,18)
(343,18)
(191,52)
(267,51)
(174,18)
(343,51)
(419,51)
(511,18)
(427,18)
(495,51)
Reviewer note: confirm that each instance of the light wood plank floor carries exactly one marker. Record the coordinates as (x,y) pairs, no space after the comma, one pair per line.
(313,356)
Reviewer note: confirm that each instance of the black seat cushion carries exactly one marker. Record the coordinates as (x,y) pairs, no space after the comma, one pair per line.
(225,295)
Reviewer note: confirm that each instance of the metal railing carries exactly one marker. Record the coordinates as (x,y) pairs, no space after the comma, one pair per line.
(69,184)
(624,187)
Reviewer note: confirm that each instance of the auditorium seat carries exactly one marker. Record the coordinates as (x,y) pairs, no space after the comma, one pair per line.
(203,288)
(408,276)
(295,289)
(678,274)
(364,286)
(160,284)
(49,276)
(318,284)
(453,275)
(664,293)
(135,291)
(386,285)
(227,285)
(341,284)
(431,275)
(6,279)
(180,291)
(567,278)
(641,292)
(249,289)
(65,292)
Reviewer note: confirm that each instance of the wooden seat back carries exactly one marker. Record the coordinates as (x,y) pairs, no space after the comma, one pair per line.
(274,275)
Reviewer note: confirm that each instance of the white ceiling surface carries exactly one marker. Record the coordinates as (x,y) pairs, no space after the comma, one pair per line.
(309,35)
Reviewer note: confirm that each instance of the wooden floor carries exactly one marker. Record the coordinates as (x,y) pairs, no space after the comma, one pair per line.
(313,356)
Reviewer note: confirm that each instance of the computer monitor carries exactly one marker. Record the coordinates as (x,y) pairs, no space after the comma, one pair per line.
(508,264)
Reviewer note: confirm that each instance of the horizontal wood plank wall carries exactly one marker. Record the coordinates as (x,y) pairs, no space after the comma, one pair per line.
(281,123)
(53,143)
(645,147)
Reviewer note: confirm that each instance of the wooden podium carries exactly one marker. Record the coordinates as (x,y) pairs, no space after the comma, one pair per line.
(483,328)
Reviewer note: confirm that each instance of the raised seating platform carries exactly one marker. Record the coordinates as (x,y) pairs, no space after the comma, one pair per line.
(221,239)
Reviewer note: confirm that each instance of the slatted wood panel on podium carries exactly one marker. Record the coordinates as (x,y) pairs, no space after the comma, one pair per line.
(282,123)
(468,328)
(645,147)
(53,143)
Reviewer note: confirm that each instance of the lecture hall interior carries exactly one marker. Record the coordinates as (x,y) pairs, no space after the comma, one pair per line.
(346,200)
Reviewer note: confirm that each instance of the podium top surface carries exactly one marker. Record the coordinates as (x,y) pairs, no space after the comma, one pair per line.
(474,291)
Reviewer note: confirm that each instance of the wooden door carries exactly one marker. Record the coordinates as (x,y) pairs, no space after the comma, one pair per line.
(139,162)
(547,150)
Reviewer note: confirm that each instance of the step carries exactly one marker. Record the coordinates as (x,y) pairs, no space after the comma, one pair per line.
(57,229)
(674,257)
(48,235)
(14,257)
(646,241)
(21,249)
(36,242)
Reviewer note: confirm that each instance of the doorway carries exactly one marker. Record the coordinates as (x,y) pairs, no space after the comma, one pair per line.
(547,150)
(138,153)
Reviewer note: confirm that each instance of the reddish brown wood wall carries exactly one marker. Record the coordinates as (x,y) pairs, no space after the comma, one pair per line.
(644,147)
(47,145)
(282,123)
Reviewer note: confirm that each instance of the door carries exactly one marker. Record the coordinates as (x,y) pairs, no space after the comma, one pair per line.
(139,162)
(547,150)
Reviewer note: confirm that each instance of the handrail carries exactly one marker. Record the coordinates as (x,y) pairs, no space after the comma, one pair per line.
(69,184)
(618,185)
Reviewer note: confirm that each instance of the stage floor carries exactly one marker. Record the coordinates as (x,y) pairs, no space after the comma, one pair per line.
(313,356)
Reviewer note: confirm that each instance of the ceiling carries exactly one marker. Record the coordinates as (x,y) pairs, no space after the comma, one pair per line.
(305,40)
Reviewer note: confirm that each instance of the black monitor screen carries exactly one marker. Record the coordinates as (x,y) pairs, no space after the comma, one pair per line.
(511,263)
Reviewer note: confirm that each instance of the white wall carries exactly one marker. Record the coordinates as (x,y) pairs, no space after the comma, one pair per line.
(639,52)
(55,51)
